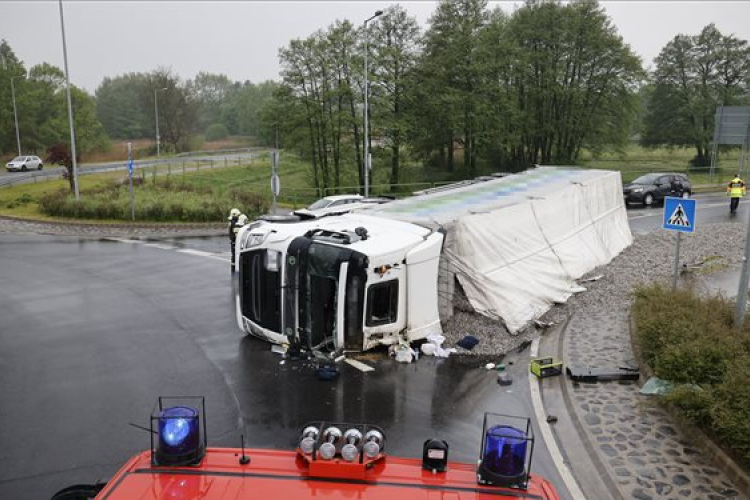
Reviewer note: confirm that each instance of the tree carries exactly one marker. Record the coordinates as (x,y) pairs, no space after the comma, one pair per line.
(450,71)
(121,107)
(575,81)
(60,154)
(209,91)
(10,66)
(395,47)
(694,75)
(178,111)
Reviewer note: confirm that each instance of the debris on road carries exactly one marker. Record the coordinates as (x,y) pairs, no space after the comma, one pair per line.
(593,278)
(469,342)
(504,379)
(600,374)
(545,367)
(656,387)
(359,365)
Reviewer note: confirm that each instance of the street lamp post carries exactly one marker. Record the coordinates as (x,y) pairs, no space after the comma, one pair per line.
(367,158)
(15,111)
(156,114)
(70,107)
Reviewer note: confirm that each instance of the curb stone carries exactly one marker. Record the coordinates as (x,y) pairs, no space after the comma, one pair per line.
(711,450)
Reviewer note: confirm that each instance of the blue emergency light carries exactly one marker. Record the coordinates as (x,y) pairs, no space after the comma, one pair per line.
(507,448)
(180,441)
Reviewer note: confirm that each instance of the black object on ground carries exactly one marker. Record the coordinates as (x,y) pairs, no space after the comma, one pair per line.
(504,379)
(600,374)
(551,419)
(327,372)
(468,342)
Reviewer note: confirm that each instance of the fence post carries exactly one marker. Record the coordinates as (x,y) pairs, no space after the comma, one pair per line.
(198,168)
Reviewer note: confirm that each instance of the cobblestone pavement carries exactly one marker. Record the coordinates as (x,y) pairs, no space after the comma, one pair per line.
(645,454)
(20,226)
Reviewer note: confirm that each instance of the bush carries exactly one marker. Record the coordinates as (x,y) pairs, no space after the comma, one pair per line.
(690,341)
(216,131)
(193,204)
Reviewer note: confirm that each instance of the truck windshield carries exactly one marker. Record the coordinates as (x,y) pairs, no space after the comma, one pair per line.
(320,290)
(318,294)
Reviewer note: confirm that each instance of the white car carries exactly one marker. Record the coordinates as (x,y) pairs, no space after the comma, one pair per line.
(24,163)
(339,204)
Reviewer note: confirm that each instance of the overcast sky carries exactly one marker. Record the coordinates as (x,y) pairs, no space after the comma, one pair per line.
(241,39)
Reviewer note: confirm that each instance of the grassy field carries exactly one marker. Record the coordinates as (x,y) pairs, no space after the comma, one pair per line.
(145,148)
(204,194)
(635,161)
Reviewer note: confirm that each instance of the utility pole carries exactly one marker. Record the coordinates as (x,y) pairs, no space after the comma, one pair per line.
(367,158)
(156,115)
(70,107)
(15,112)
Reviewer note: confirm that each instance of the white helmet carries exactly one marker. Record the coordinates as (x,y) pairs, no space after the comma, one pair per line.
(242,220)
(234,213)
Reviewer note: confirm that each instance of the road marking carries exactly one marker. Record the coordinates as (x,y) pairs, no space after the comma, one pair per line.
(199,253)
(159,246)
(562,468)
(359,365)
(123,240)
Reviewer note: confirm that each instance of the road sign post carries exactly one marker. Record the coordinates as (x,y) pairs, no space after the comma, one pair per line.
(741,301)
(679,215)
(130,181)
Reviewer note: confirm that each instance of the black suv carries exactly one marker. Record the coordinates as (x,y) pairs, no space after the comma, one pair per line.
(651,189)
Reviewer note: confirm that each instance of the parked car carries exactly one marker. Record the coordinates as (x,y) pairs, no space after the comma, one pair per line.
(24,163)
(651,189)
(338,204)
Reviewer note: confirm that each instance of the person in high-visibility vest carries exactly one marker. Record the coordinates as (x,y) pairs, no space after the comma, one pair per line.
(735,190)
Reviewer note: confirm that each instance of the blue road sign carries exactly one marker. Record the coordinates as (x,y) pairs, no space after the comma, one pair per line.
(679,214)
(130,168)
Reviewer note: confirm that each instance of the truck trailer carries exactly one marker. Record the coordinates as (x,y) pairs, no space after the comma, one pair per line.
(516,244)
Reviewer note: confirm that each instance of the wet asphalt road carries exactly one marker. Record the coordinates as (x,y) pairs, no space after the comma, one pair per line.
(93,331)
(711,208)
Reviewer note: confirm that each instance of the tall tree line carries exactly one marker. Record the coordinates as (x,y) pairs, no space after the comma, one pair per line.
(694,75)
(478,90)
(209,104)
(41,107)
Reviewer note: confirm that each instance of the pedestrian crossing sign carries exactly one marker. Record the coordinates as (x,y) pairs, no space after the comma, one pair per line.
(679,214)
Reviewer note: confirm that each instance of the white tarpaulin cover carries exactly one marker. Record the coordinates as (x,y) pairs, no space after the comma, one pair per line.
(518,243)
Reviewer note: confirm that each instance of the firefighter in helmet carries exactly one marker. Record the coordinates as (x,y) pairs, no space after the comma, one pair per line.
(234,215)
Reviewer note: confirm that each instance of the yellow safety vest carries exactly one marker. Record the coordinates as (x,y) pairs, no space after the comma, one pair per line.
(736,188)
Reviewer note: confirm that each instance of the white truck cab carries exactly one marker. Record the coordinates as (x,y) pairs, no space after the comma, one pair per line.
(348,282)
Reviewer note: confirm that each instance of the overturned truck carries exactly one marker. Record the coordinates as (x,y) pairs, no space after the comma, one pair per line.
(516,244)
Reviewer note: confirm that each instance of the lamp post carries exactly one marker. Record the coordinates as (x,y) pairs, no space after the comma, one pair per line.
(70,107)
(156,114)
(15,111)
(367,109)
